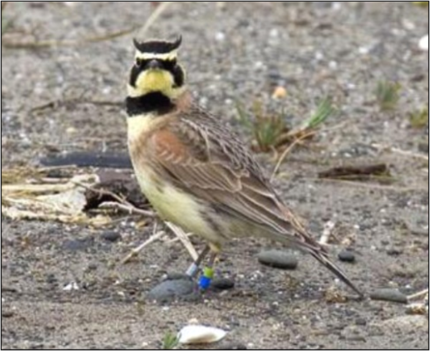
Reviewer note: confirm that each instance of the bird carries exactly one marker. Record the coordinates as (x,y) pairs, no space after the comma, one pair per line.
(195,170)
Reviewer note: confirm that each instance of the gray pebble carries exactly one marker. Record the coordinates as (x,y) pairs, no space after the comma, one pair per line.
(356,338)
(392,295)
(51,278)
(111,236)
(361,321)
(393,251)
(423,147)
(170,290)
(346,256)
(7,314)
(278,259)
(92,267)
(222,284)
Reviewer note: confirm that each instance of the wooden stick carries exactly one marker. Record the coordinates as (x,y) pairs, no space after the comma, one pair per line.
(287,150)
(343,172)
(418,295)
(134,252)
(183,237)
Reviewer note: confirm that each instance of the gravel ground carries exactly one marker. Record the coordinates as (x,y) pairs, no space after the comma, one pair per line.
(233,52)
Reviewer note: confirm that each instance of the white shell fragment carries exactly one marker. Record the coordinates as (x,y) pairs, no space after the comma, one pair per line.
(71,286)
(199,334)
(424,43)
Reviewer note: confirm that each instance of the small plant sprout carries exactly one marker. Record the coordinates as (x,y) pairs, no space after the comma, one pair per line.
(387,95)
(265,127)
(420,118)
(324,110)
(270,130)
(170,341)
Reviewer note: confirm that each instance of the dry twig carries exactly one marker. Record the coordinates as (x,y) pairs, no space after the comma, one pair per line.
(288,150)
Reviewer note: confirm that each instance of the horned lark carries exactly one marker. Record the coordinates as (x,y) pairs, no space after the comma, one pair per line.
(193,168)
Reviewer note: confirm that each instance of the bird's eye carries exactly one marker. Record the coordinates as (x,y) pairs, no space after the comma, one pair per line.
(169,64)
(141,62)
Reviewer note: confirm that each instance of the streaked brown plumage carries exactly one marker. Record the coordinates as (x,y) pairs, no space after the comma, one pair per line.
(199,175)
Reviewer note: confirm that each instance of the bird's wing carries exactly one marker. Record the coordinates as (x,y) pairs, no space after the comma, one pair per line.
(208,161)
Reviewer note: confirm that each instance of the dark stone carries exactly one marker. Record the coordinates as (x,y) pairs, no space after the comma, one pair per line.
(111,236)
(361,321)
(92,267)
(346,256)
(51,279)
(392,295)
(393,251)
(7,313)
(222,284)
(278,259)
(423,147)
(171,290)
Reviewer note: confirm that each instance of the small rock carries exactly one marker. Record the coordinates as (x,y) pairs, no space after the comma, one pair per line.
(278,259)
(222,284)
(423,147)
(51,278)
(92,267)
(408,25)
(392,295)
(171,290)
(423,44)
(346,256)
(393,251)
(360,321)
(274,33)
(356,338)
(7,314)
(111,236)
(279,93)
(220,36)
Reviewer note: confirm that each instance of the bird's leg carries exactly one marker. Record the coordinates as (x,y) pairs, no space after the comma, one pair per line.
(208,272)
(193,270)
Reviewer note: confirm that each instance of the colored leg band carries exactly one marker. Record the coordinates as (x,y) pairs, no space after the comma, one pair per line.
(206,278)
(192,270)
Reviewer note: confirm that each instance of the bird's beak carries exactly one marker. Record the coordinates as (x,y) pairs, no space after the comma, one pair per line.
(154,64)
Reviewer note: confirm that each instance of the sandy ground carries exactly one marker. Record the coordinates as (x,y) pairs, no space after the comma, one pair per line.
(233,52)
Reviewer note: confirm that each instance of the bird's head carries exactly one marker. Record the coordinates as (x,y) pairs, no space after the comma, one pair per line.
(156,69)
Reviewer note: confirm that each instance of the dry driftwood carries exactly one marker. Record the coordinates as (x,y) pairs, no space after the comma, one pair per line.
(359,172)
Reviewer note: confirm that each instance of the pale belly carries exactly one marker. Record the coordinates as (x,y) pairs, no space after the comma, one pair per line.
(175,206)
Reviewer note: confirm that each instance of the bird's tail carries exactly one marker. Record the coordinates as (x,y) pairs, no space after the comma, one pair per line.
(306,243)
(321,256)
